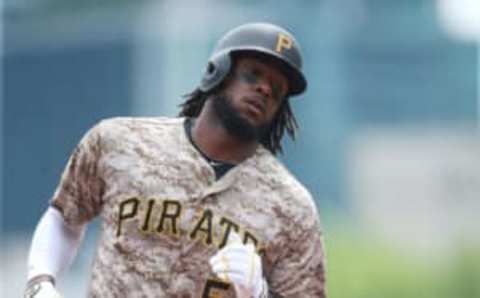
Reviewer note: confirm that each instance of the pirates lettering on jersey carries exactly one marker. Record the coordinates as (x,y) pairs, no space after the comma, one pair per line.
(128,209)
(228,225)
(163,217)
(170,213)
(203,228)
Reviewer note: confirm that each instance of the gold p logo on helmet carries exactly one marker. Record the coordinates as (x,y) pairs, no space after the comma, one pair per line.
(283,42)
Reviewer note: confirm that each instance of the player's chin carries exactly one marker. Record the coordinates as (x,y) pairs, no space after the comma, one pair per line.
(259,126)
(255,119)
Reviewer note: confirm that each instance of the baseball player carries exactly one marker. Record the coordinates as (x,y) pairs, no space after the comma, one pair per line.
(194,206)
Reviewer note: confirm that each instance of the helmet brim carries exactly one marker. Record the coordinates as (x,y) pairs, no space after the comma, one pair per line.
(297,83)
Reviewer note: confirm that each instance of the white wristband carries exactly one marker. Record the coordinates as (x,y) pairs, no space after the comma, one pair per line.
(41,288)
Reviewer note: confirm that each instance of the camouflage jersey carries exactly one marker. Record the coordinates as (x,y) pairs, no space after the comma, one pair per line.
(164,214)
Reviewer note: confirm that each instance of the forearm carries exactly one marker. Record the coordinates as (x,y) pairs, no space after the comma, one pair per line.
(54,245)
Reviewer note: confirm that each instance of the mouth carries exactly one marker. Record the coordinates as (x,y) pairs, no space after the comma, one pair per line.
(256,104)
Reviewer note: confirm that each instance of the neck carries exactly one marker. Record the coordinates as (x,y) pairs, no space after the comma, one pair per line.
(216,142)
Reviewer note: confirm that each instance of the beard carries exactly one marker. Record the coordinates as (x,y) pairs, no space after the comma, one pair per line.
(235,124)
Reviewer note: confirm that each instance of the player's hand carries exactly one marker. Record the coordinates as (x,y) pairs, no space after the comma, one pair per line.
(240,264)
(42,289)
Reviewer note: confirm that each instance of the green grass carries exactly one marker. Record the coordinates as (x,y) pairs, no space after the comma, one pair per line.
(361,267)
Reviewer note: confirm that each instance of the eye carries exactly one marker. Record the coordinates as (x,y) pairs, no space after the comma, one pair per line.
(256,72)
(279,90)
(249,75)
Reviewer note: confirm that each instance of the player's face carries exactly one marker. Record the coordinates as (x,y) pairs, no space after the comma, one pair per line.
(256,90)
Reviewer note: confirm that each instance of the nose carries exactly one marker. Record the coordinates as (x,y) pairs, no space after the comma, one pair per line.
(263,86)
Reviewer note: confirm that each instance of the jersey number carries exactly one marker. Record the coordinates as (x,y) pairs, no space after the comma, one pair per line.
(214,288)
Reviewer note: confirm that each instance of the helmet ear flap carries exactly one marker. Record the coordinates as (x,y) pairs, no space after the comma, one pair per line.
(209,73)
(215,71)
(210,69)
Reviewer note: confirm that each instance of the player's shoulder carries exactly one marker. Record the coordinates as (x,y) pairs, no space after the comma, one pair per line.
(292,200)
(123,130)
(118,126)
(137,122)
(284,182)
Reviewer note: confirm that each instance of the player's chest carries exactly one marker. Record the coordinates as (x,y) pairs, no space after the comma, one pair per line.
(204,220)
(149,171)
(151,196)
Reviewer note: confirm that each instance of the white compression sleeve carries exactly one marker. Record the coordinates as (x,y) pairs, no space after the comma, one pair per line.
(54,245)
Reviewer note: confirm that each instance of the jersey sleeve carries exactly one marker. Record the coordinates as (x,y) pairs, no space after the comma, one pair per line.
(79,194)
(300,269)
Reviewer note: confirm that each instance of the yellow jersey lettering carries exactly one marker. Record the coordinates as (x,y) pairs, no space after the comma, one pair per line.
(171,211)
(214,288)
(228,226)
(127,209)
(204,225)
(249,237)
(146,222)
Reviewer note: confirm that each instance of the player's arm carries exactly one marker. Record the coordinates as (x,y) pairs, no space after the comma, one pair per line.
(53,248)
(77,200)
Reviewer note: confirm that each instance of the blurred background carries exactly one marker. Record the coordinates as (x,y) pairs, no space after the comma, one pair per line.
(390,132)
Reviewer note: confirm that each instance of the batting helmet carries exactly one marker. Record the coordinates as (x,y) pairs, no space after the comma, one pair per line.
(263,38)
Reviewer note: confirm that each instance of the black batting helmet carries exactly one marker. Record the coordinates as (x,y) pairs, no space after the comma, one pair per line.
(263,38)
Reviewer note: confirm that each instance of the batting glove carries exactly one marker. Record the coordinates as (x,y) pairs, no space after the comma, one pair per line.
(42,288)
(240,264)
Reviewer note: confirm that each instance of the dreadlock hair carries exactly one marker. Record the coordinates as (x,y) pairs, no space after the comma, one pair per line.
(284,119)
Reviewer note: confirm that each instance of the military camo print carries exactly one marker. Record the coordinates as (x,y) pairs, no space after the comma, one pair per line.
(164,215)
